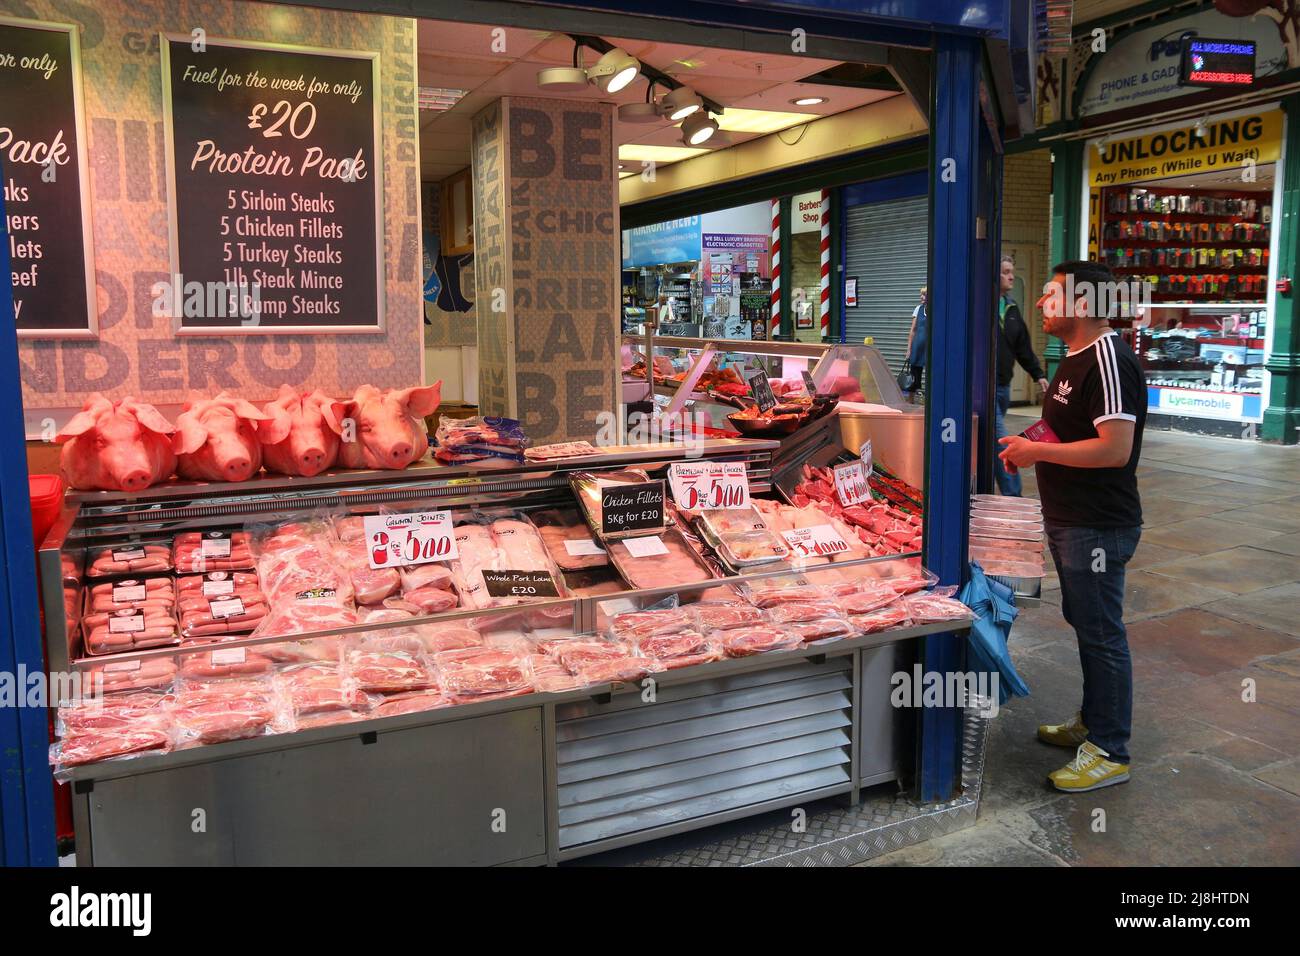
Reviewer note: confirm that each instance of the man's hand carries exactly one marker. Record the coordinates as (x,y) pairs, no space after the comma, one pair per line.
(1018,452)
(1044,384)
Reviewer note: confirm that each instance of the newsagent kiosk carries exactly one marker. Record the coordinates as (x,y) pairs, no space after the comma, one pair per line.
(576,771)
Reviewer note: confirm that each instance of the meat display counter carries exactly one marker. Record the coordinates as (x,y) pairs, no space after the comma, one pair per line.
(565,725)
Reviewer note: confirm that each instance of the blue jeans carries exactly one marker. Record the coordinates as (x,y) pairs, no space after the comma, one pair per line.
(1090,563)
(1008,484)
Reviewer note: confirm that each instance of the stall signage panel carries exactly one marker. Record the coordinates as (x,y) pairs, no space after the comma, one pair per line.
(275,189)
(819,541)
(632,507)
(415,538)
(532,584)
(1199,403)
(709,485)
(677,240)
(43,157)
(1224,143)
(1218,62)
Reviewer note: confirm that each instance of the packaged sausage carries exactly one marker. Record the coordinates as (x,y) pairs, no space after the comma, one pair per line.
(226,662)
(194,552)
(154,593)
(219,605)
(136,556)
(129,629)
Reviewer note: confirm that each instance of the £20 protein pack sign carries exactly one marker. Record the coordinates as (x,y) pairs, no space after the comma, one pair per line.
(42,155)
(275,188)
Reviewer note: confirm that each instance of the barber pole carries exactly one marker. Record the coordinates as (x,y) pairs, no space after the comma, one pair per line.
(776,267)
(826,263)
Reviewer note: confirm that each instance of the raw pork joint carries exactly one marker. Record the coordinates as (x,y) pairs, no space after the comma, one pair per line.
(477,672)
(637,624)
(386,672)
(682,649)
(214,716)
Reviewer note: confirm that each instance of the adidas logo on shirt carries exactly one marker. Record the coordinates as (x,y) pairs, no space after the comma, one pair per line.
(1062,390)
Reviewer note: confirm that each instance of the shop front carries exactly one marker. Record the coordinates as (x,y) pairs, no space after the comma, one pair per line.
(1185,216)
(359,552)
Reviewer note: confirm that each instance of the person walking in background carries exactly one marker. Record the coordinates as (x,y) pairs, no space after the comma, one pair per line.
(1013,346)
(1097,408)
(917,343)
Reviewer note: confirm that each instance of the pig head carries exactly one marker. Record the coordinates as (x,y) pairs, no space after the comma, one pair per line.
(301,436)
(216,439)
(116,446)
(387,426)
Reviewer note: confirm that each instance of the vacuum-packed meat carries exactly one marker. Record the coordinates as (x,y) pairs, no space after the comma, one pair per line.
(747,641)
(636,624)
(822,629)
(135,557)
(412,702)
(787,612)
(682,649)
(217,616)
(226,662)
(318,687)
(214,716)
(929,608)
(882,619)
(773,591)
(111,632)
(549,675)
(94,746)
(709,617)
(158,593)
(868,599)
(476,672)
(113,676)
(387,672)
(598,662)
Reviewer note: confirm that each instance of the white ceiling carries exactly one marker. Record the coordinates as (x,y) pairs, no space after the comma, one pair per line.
(455,55)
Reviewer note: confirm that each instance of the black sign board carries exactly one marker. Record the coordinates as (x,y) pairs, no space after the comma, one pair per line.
(1209,62)
(43,158)
(809,384)
(632,507)
(762,389)
(275,185)
(525,584)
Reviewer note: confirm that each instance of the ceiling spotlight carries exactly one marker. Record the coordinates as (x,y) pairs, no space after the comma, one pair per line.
(614,71)
(809,100)
(1200,128)
(1101,146)
(562,78)
(680,103)
(698,128)
(638,113)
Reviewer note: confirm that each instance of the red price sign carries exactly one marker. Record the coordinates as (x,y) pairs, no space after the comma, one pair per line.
(821,541)
(709,485)
(417,538)
(851,483)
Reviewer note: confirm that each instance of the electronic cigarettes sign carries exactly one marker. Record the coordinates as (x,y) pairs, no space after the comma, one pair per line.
(1209,62)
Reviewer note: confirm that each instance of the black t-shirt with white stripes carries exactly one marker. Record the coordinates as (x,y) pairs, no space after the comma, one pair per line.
(1098,383)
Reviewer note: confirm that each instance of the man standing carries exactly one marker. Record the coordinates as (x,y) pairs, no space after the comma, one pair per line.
(1013,346)
(1096,407)
(917,345)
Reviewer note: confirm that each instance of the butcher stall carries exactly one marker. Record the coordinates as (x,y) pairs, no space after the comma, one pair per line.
(581,676)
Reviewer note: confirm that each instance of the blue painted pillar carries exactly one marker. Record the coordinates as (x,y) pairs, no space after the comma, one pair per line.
(959,328)
(26,795)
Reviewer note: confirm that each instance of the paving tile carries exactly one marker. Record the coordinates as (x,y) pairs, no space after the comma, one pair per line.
(1189,812)
(1201,535)
(1200,643)
(1038,626)
(1160,512)
(1283,544)
(1238,570)
(1234,494)
(1150,555)
(1277,517)
(1284,776)
(1147,594)
(1244,754)
(1217,701)
(993,844)
(1276,608)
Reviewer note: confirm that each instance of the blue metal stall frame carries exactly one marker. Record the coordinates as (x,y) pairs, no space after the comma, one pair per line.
(960,33)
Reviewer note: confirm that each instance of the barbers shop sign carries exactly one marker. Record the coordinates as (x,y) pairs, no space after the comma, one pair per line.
(1143,67)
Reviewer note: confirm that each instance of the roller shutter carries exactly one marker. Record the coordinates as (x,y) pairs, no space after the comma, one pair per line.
(885,249)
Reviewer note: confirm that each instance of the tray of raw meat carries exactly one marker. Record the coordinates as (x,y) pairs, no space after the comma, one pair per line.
(680,566)
(568,540)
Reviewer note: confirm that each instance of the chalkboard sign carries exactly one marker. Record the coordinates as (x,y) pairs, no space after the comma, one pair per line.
(633,507)
(43,159)
(526,584)
(275,188)
(762,389)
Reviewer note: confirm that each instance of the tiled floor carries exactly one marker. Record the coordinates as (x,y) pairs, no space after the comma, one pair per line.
(1213,607)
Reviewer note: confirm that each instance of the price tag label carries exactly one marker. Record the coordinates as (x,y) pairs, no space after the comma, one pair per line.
(762,389)
(851,483)
(117,666)
(215,545)
(865,454)
(126,593)
(809,384)
(632,507)
(819,541)
(218,587)
(710,485)
(126,622)
(231,608)
(231,655)
(582,547)
(128,554)
(646,547)
(520,584)
(415,538)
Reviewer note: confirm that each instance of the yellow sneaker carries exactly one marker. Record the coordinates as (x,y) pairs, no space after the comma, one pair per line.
(1089,770)
(1069,734)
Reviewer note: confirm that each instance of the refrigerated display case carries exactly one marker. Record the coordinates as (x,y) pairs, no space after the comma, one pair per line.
(556,770)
